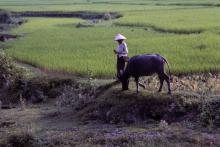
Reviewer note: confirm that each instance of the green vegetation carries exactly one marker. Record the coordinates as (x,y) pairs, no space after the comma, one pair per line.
(177,21)
(185,32)
(79,111)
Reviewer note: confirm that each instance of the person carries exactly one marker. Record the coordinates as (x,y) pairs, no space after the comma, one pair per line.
(122,53)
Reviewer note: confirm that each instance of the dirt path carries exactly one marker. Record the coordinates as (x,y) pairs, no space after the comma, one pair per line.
(50,128)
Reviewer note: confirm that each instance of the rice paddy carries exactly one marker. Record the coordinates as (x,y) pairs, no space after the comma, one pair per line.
(184,20)
(187,33)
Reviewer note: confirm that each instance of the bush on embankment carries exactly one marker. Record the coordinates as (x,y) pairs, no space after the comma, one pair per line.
(8,71)
(5,17)
(8,20)
(10,76)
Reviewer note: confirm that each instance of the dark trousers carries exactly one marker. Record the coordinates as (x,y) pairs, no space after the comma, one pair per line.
(120,65)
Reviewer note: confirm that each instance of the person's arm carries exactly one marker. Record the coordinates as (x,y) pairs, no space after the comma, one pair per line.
(125,49)
(117,50)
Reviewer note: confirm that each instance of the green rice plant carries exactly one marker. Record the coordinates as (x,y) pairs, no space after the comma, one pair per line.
(175,21)
(56,44)
(185,32)
(99,5)
(88,7)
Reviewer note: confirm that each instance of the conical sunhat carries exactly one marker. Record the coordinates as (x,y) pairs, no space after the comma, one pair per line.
(120,37)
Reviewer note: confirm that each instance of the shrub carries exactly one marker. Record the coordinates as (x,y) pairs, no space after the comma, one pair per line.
(5,17)
(8,71)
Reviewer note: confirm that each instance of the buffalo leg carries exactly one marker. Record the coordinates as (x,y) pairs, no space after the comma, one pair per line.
(137,83)
(167,79)
(161,83)
(142,85)
(162,77)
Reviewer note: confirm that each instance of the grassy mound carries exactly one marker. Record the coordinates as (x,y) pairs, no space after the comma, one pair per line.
(127,107)
(115,107)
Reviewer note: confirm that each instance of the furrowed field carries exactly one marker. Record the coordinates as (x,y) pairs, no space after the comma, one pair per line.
(187,33)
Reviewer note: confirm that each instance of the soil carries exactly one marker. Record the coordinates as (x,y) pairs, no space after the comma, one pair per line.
(7,37)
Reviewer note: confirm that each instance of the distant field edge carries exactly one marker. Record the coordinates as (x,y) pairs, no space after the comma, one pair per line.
(190,4)
(149,27)
(77,14)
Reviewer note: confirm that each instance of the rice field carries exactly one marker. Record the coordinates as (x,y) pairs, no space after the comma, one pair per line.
(183,20)
(186,32)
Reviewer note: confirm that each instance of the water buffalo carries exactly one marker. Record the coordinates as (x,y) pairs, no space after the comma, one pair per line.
(145,65)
